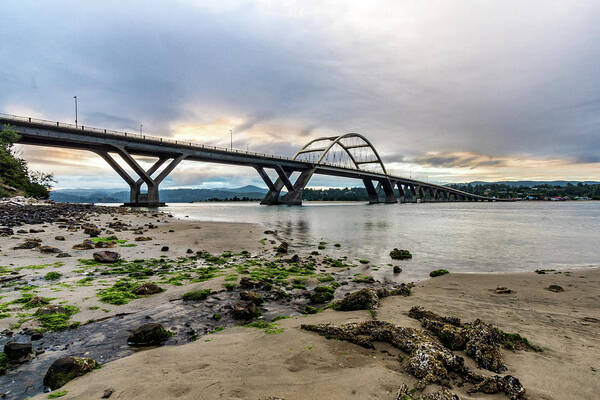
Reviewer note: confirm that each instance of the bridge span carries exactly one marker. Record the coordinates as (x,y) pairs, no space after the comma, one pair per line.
(351,156)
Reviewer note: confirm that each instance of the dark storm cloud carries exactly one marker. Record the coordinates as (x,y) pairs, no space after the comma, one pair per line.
(498,78)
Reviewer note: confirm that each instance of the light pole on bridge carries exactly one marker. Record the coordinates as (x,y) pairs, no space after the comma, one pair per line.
(231,138)
(75,97)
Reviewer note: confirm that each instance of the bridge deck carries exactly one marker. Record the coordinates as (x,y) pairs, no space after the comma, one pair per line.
(58,134)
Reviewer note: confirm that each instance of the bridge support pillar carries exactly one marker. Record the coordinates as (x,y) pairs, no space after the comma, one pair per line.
(136,198)
(294,195)
(371,192)
(401,192)
(390,197)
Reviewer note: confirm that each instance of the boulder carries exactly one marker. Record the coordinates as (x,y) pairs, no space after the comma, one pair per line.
(63,255)
(18,353)
(249,295)
(164,248)
(189,251)
(244,310)
(66,369)
(397,269)
(91,229)
(247,283)
(142,238)
(104,245)
(36,231)
(59,238)
(147,289)
(107,257)
(50,250)
(398,254)
(364,299)
(555,288)
(282,248)
(151,334)
(85,245)
(28,244)
(4,232)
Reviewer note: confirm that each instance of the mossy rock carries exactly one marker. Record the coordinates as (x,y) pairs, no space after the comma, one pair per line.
(399,254)
(66,369)
(244,310)
(438,272)
(147,289)
(322,294)
(151,334)
(364,299)
(196,295)
(254,297)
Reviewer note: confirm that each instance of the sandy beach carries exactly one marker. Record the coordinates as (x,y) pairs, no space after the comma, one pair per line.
(242,363)
(239,362)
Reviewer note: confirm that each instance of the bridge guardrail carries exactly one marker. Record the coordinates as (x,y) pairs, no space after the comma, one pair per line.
(158,139)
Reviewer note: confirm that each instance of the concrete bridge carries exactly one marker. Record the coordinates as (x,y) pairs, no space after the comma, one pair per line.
(350,156)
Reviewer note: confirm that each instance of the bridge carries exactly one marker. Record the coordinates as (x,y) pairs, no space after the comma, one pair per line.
(351,156)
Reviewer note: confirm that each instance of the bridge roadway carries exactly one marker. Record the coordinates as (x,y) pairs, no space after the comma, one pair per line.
(105,143)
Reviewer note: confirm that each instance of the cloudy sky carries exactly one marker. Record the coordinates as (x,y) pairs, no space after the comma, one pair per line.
(449,91)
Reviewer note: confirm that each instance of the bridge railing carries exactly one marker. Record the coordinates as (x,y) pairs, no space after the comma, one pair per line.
(88,129)
(157,139)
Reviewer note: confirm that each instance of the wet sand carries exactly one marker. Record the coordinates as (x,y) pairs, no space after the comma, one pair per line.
(245,363)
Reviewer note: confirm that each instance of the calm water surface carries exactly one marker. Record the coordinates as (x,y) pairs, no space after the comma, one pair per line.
(467,237)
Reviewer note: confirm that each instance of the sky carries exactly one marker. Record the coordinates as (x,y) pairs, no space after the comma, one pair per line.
(447,91)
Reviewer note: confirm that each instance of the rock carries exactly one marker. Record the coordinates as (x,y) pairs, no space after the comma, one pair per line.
(86,245)
(364,299)
(59,238)
(36,335)
(51,309)
(397,269)
(171,230)
(251,296)
(106,256)
(282,248)
(36,301)
(107,393)
(147,289)
(104,245)
(28,244)
(498,384)
(268,232)
(5,232)
(164,248)
(36,231)
(398,254)
(189,251)
(150,334)
(91,229)
(143,239)
(295,258)
(322,294)
(247,283)
(66,369)
(503,290)
(244,310)
(18,353)
(480,340)
(50,250)
(428,360)
(555,288)
(63,255)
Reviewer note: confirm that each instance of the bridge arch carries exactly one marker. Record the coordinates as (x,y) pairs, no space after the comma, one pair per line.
(353,145)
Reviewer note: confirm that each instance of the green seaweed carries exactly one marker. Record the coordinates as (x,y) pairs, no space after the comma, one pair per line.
(196,295)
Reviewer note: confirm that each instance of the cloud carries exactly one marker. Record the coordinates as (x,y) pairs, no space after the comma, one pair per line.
(507,79)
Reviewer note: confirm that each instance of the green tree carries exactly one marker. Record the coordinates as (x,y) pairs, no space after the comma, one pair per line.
(15,173)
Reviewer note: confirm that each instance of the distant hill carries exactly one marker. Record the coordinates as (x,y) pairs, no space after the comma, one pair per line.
(531,183)
(167,195)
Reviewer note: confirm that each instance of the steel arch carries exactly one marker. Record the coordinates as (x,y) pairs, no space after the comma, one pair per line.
(337,140)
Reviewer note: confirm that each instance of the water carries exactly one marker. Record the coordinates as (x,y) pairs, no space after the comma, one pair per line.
(465,237)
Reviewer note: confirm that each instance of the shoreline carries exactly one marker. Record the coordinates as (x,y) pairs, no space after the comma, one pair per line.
(442,294)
